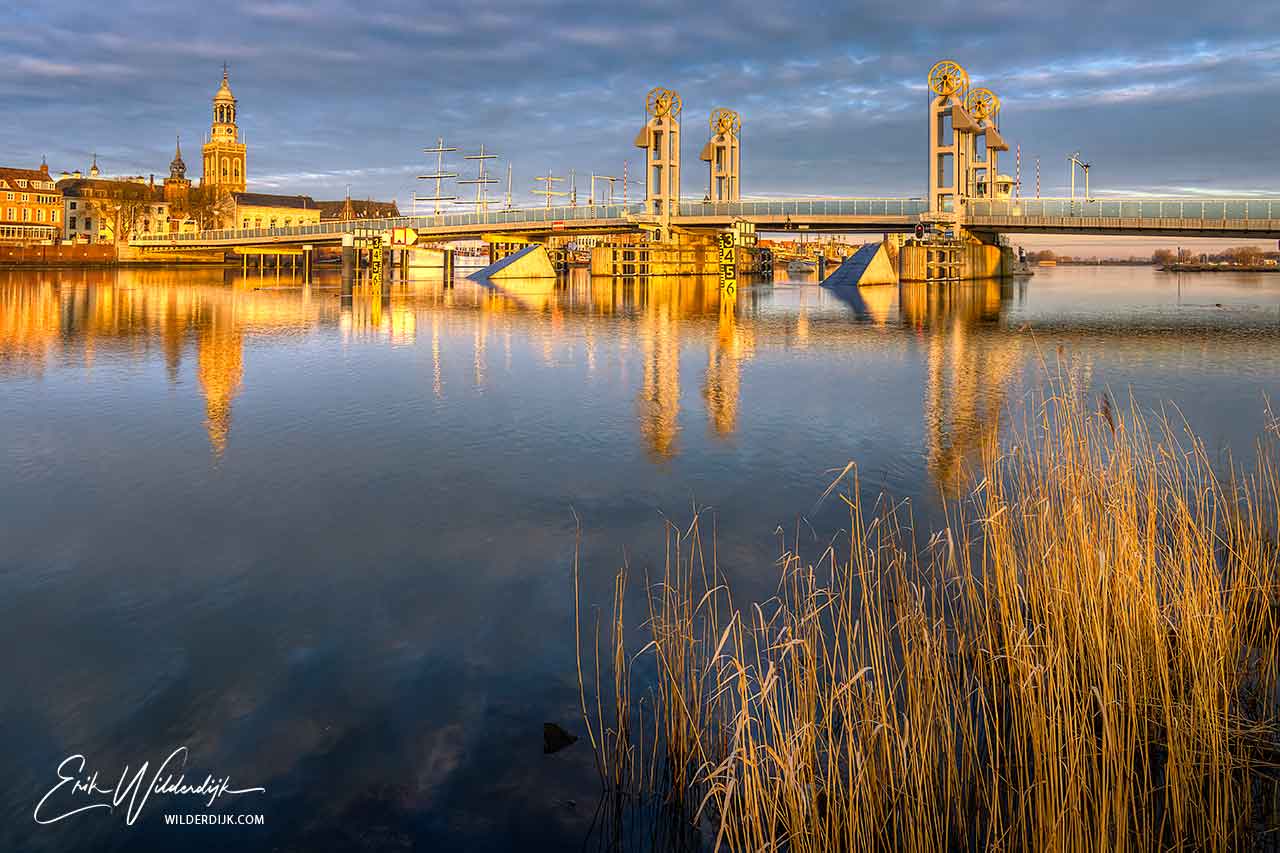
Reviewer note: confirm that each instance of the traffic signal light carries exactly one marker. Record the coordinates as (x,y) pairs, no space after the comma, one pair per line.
(919,230)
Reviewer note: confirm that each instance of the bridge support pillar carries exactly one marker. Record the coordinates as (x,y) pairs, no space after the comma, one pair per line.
(348,262)
(306,264)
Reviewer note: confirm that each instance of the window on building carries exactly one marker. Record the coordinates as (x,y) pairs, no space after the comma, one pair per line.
(257,222)
(53,216)
(26,214)
(146,225)
(71,223)
(13,214)
(237,169)
(40,215)
(73,205)
(273,222)
(246,223)
(88,224)
(287,222)
(8,196)
(26,196)
(22,184)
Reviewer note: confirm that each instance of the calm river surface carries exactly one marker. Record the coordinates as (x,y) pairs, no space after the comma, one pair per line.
(328,549)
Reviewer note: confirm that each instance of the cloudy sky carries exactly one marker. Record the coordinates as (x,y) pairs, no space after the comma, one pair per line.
(1177,97)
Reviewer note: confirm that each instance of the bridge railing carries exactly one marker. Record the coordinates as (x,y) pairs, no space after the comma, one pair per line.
(425,222)
(773,208)
(1132,208)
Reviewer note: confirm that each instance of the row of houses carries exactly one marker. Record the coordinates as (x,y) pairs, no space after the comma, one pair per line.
(36,208)
(93,208)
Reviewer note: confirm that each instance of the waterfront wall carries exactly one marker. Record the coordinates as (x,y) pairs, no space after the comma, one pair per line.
(98,254)
(64,255)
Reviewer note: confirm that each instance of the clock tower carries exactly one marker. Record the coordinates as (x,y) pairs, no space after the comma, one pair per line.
(224,153)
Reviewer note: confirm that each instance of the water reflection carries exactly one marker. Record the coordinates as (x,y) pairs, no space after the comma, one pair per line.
(326,541)
(733,345)
(971,361)
(220,354)
(972,353)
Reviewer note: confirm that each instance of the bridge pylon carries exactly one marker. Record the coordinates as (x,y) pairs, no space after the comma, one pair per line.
(723,156)
(950,128)
(984,172)
(660,138)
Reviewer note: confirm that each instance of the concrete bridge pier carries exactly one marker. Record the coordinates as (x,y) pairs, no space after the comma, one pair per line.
(348,263)
(306,264)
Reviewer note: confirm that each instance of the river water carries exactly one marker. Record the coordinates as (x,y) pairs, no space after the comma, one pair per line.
(327,548)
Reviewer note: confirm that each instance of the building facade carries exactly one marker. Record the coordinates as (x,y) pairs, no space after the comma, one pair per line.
(224,153)
(30,206)
(109,210)
(261,210)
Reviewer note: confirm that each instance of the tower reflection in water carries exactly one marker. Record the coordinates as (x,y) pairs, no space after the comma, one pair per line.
(971,362)
(64,317)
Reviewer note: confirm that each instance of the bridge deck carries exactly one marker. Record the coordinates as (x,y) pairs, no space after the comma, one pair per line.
(1173,217)
(1188,217)
(836,213)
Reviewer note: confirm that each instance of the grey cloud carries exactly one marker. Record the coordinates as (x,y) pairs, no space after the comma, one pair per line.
(336,92)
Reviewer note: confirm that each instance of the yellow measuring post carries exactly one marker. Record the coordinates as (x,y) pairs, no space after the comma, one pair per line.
(375,262)
(728,264)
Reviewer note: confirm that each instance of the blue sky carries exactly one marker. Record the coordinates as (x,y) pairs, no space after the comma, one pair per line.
(1175,97)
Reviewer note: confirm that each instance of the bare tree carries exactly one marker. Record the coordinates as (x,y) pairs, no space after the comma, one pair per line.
(210,207)
(1243,255)
(121,205)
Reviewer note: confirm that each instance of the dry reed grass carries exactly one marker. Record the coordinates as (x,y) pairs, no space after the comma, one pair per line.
(1085,657)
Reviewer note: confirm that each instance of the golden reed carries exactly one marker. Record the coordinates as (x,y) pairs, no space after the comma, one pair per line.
(1085,657)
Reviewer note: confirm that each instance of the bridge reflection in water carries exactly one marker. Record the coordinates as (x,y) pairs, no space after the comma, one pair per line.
(972,358)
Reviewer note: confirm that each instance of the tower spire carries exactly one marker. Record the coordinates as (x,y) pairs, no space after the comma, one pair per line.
(224,151)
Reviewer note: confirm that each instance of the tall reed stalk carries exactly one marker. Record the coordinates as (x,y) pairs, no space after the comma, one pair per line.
(1084,656)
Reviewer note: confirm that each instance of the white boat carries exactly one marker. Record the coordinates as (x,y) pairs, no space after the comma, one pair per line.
(800,265)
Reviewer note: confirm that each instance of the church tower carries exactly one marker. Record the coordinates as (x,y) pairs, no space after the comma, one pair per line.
(177,186)
(224,153)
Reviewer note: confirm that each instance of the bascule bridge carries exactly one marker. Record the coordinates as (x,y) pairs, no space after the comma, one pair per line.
(968,203)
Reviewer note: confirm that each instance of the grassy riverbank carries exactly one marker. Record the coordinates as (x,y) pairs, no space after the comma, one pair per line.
(1085,656)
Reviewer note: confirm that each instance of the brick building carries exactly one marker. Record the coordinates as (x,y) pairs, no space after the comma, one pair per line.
(30,206)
